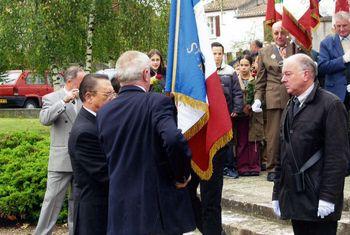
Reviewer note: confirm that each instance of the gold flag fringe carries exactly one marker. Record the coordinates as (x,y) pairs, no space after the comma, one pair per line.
(196,104)
(221,142)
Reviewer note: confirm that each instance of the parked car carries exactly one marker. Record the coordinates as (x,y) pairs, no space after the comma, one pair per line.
(23,89)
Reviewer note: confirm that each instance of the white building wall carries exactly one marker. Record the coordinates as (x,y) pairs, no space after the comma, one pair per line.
(236,33)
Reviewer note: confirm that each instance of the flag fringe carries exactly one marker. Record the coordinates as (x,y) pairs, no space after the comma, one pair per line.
(195,104)
(221,142)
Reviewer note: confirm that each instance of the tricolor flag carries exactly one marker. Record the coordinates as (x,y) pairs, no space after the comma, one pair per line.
(273,11)
(203,115)
(341,5)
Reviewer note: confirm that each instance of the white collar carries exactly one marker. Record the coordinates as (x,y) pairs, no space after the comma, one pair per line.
(305,94)
(90,111)
(65,90)
(141,88)
(343,38)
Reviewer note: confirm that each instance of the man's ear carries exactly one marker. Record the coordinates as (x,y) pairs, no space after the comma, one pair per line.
(145,76)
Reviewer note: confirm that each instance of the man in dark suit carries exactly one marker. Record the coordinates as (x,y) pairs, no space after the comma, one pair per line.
(334,58)
(314,152)
(148,157)
(88,161)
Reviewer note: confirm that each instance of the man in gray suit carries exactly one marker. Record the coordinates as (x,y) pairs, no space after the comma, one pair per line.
(59,111)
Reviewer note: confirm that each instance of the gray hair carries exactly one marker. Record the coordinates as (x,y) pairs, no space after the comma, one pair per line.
(277,25)
(72,73)
(304,62)
(341,15)
(131,65)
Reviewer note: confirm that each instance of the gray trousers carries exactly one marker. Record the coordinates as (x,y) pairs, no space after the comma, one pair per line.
(56,188)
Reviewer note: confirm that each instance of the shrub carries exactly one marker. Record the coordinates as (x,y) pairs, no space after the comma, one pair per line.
(23,173)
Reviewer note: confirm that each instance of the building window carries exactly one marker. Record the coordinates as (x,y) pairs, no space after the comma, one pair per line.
(214,26)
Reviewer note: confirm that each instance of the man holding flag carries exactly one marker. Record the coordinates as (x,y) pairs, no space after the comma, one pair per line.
(203,115)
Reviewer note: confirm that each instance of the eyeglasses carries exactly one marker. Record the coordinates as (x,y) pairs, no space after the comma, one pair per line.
(109,94)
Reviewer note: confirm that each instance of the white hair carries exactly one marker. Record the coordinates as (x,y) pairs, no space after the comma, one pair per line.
(304,62)
(340,15)
(131,65)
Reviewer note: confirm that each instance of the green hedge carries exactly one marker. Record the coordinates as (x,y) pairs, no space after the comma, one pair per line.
(23,173)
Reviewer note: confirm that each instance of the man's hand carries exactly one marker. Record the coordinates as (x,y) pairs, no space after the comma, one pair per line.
(346,57)
(182,185)
(72,95)
(276,208)
(324,208)
(233,114)
(256,106)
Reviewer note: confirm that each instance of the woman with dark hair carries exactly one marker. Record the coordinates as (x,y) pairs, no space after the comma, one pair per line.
(158,71)
(249,124)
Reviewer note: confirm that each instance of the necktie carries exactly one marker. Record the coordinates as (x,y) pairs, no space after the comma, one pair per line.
(282,51)
(296,105)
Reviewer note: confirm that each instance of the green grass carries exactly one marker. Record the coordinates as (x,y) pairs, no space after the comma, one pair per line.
(10,125)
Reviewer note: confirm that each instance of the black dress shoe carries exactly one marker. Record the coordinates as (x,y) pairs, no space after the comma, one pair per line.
(247,173)
(254,173)
(271,176)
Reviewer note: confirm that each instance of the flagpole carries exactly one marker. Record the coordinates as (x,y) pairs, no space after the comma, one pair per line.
(178,2)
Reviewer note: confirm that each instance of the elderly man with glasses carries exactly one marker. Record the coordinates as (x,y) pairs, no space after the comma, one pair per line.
(314,150)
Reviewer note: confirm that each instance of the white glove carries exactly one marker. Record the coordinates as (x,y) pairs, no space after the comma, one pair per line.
(346,57)
(256,106)
(348,88)
(276,208)
(324,208)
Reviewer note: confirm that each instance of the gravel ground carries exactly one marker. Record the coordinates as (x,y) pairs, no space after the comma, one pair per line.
(25,229)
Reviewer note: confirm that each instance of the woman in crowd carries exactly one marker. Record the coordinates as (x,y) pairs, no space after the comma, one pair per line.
(158,71)
(249,124)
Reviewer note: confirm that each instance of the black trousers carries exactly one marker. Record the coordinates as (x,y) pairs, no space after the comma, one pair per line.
(207,210)
(314,228)
(230,160)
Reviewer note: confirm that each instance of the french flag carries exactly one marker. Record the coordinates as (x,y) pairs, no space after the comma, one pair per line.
(203,116)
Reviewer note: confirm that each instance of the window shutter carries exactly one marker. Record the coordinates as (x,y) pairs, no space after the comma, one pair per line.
(217,26)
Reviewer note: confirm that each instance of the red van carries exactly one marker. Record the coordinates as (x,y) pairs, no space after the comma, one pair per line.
(23,89)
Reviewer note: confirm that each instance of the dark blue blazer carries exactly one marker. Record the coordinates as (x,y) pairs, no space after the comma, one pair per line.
(332,67)
(146,155)
(90,174)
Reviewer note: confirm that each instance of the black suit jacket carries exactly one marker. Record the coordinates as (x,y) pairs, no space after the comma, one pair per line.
(146,154)
(91,175)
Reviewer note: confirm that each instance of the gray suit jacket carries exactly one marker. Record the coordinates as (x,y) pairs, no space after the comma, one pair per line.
(61,118)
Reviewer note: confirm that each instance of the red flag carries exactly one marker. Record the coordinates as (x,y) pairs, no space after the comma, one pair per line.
(299,17)
(273,15)
(341,5)
(315,15)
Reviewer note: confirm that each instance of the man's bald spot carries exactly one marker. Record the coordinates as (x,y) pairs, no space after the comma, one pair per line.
(277,25)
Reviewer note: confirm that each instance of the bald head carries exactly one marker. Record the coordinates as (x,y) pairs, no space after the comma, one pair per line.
(279,34)
(299,73)
(277,25)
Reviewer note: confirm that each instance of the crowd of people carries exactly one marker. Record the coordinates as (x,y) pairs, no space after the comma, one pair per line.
(128,167)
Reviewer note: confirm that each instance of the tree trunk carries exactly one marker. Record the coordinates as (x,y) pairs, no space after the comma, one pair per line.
(89,38)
